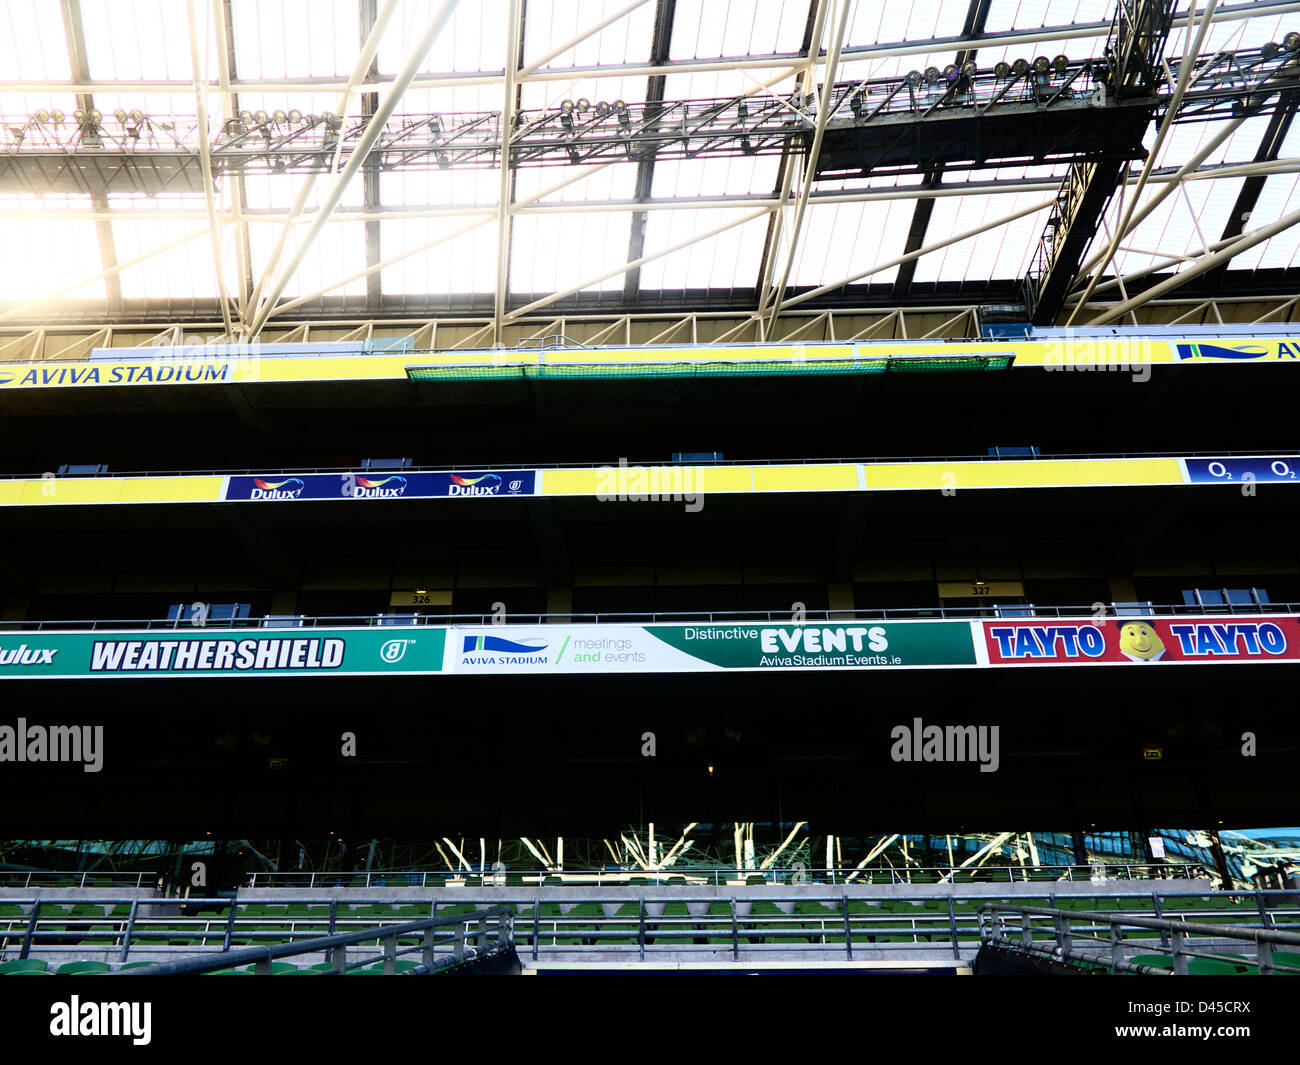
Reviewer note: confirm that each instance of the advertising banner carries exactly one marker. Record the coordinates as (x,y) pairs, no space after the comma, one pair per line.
(496,649)
(1270,469)
(1143,640)
(279,363)
(376,485)
(213,652)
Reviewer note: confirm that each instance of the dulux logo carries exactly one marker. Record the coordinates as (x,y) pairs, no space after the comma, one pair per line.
(22,656)
(487,485)
(287,489)
(388,488)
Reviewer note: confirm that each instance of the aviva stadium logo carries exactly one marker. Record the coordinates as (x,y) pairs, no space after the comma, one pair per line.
(290,488)
(498,651)
(1254,350)
(388,488)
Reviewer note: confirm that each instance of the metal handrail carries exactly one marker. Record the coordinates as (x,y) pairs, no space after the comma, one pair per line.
(942,928)
(1175,931)
(401,618)
(336,945)
(656,463)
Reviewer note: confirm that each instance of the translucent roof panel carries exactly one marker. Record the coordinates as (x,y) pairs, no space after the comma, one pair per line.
(739,176)
(145,40)
(730,259)
(56,252)
(1181,225)
(280,191)
(552,23)
(707,29)
(844,239)
(553,252)
(295,38)
(580,183)
(716,84)
(453,187)
(338,253)
(1230,34)
(1030,14)
(186,271)
(1280,196)
(33,42)
(1000,253)
(872,22)
(473,40)
(443,255)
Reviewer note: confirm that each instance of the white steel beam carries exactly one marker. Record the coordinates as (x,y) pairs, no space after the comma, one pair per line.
(367,141)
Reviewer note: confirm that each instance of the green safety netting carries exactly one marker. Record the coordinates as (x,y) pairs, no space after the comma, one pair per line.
(669,370)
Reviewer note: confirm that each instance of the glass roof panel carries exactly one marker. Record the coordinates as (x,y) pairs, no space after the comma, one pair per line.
(553,252)
(1002,252)
(730,259)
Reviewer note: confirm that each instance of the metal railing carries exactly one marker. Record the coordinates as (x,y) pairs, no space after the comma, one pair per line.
(719,877)
(912,928)
(492,934)
(1068,931)
(992,611)
(681,875)
(658,463)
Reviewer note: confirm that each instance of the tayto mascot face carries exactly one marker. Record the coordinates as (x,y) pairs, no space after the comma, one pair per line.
(1138,641)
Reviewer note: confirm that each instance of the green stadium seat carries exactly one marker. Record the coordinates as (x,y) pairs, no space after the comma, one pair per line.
(22,966)
(75,968)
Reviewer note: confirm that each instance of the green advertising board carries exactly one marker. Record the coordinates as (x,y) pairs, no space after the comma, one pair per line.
(222,653)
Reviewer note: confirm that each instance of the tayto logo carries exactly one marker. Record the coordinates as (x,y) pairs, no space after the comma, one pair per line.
(388,488)
(24,656)
(6,378)
(1203,640)
(487,485)
(394,650)
(287,489)
(1235,351)
(1024,642)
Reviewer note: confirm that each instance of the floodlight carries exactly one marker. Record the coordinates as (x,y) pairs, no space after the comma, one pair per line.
(137,116)
(279,118)
(932,75)
(120,115)
(951,73)
(1042,65)
(57,117)
(1061,64)
(969,68)
(1002,71)
(1020,68)
(1291,42)
(566,107)
(602,109)
(913,78)
(295,116)
(41,117)
(583,105)
(260,118)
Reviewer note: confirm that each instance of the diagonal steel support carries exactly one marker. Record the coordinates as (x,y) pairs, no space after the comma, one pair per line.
(824,110)
(514,54)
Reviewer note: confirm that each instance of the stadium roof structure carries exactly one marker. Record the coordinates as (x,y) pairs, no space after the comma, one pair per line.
(262,164)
